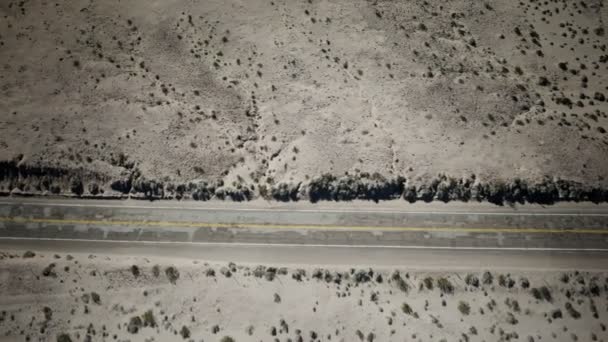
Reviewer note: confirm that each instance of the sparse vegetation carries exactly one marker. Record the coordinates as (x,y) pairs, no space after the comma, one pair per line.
(464,308)
(64,338)
(445,285)
(572,311)
(184,332)
(407,309)
(172,274)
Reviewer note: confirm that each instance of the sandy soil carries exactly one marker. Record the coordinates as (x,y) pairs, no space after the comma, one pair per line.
(256,92)
(123,298)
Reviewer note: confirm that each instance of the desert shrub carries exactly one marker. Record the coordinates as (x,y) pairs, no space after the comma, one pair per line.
(471,280)
(298,274)
(536,293)
(259,271)
(210,272)
(542,293)
(135,323)
(360,334)
(135,271)
(513,304)
(511,319)
(225,271)
(277,298)
(410,194)
(464,308)
(525,283)
(546,293)
(445,285)
(156,271)
(49,271)
(557,313)
(428,283)
(121,185)
(149,188)
(407,309)
(487,278)
(76,186)
(184,332)
(96,298)
(594,288)
(64,338)
(172,274)
(361,276)
(360,186)
(284,326)
(543,81)
(94,188)
(285,192)
(48,313)
(238,194)
(401,283)
(201,191)
(227,339)
(148,319)
(572,311)
(29,254)
(270,273)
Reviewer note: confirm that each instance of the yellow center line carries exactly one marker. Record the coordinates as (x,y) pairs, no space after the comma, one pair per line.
(185,224)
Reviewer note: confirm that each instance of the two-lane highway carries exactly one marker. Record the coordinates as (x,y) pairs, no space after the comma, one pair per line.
(573,235)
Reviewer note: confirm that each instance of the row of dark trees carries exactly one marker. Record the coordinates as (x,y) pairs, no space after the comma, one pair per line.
(327,187)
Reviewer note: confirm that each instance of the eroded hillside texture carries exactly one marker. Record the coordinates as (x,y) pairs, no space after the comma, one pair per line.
(267,92)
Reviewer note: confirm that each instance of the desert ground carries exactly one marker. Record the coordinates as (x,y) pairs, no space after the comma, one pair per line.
(117,297)
(240,98)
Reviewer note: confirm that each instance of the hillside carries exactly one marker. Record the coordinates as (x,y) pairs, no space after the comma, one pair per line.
(97,96)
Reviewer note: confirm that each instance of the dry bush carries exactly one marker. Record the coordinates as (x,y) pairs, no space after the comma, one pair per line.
(148,319)
(156,271)
(464,308)
(407,309)
(428,283)
(445,285)
(172,274)
(184,332)
(572,311)
(64,338)
(471,280)
(487,278)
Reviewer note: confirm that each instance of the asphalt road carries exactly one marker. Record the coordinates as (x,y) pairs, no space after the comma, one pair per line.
(433,235)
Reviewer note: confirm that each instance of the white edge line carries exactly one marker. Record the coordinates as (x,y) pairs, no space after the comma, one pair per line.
(272,245)
(380,211)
